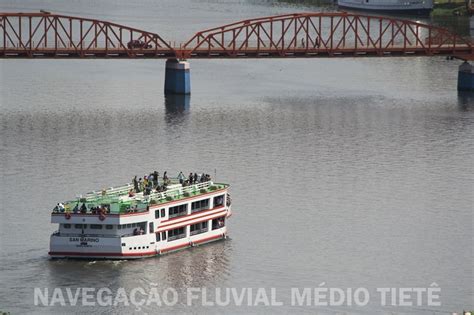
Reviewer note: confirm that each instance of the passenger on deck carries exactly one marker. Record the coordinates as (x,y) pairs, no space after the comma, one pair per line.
(131,193)
(60,207)
(76,208)
(190,178)
(156,175)
(140,184)
(165,177)
(83,208)
(135,231)
(195,179)
(145,181)
(135,183)
(181,177)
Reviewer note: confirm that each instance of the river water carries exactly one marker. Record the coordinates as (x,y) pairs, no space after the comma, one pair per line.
(345,173)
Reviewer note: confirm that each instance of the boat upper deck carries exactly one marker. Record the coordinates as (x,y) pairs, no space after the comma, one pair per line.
(120,200)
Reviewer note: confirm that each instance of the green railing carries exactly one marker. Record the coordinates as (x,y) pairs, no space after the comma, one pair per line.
(117,199)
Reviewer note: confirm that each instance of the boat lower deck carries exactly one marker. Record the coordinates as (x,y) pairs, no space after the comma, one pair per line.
(140,247)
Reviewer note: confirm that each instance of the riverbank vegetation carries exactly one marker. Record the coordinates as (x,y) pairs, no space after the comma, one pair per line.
(450,7)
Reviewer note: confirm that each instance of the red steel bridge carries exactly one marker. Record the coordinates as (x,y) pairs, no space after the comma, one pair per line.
(339,34)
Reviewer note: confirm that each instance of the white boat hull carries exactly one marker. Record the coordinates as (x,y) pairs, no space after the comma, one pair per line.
(104,248)
(421,7)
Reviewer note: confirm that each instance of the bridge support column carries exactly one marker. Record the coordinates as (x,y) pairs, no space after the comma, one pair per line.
(177,77)
(466,77)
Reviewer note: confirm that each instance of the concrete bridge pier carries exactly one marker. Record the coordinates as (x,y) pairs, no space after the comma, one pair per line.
(466,77)
(177,77)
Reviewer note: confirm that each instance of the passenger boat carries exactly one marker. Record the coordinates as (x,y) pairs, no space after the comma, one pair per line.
(117,223)
(413,7)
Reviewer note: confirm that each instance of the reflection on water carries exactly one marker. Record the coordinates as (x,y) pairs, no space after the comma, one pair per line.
(466,100)
(177,110)
(203,266)
(177,105)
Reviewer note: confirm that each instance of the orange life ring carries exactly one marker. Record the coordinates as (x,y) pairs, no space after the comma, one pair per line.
(102,217)
(67,215)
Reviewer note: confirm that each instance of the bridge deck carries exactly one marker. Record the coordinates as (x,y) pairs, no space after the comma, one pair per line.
(460,50)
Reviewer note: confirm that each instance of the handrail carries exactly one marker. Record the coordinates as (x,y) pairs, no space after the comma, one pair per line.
(114,195)
(179,191)
(113,191)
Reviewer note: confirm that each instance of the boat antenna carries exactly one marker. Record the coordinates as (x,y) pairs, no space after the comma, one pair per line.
(215,175)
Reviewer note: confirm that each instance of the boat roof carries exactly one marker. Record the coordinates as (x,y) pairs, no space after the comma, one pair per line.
(119,201)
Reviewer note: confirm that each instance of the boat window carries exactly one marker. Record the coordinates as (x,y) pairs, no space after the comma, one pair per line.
(119,227)
(67,226)
(163,213)
(198,228)
(157,214)
(163,236)
(157,237)
(176,234)
(218,201)
(218,223)
(80,226)
(109,227)
(199,205)
(129,225)
(96,226)
(151,227)
(178,211)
